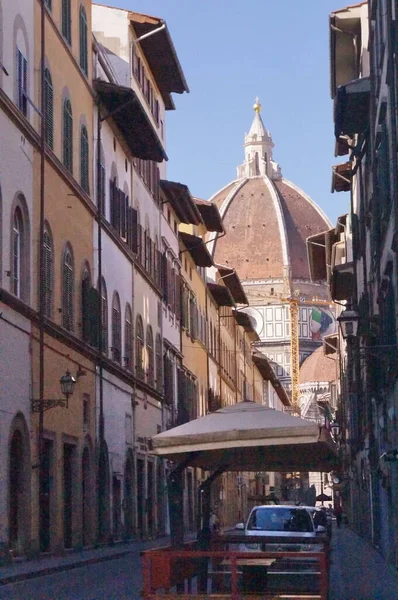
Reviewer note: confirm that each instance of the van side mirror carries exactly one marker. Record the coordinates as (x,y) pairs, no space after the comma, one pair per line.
(321,529)
(240,526)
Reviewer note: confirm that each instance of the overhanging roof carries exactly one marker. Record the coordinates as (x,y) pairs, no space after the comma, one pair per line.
(161,55)
(341,178)
(345,45)
(210,215)
(181,201)
(249,437)
(231,280)
(342,284)
(319,249)
(351,108)
(330,344)
(197,249)
(125,109)
(221,294)
(268,373)
(248,324)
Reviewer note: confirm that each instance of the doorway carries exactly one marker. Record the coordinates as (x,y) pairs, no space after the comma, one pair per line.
(117,506)
(128,498)
(150,500)
(45,495)
(68,494)
(140,496)
(86,497)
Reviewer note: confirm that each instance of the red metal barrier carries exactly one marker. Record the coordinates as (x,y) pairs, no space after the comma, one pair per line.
(164,569)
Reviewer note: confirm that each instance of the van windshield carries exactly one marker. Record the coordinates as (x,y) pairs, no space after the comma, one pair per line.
(281,519)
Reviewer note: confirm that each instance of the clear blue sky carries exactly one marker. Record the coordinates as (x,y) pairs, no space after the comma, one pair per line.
(230,52)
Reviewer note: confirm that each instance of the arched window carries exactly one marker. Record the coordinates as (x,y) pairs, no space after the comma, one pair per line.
(128,338)
(151,356)
(67,289)
(83,40)
(101,183)
(84,160)
(85,306)
(67,21)
(47,272)
(139,348)
(68,136)
(49,109)
(17,252)
(159,363)
(104,317)
(116,329)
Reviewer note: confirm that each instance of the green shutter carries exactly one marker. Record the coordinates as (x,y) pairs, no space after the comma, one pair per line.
(49,109)
(66,21)
(83,40)
(47,273)
(84,160)
(68,136)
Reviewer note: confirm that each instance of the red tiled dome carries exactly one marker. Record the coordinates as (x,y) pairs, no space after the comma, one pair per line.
(318,367)
(267,224)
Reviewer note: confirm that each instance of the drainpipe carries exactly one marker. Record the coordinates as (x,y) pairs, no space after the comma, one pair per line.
(40,447)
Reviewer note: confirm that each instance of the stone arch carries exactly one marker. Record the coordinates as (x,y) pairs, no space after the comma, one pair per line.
(129,495)
(103,491)
(19,486)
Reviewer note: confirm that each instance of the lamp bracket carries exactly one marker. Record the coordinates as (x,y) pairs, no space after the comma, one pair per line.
(37,405)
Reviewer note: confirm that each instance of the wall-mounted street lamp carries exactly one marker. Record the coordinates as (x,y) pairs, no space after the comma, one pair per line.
(349,323)
(67,383)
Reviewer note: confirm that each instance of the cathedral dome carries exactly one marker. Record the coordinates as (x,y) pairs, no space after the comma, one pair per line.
(267,218)
(318,368)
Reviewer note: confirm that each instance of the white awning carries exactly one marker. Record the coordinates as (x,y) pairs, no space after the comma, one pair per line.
(249,437)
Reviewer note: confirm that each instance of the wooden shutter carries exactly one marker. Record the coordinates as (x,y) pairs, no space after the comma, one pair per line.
(165,274)
(66,20)
(68,136)
(83,40)
(67,292)
(94,317)
(49,109)
(47,273)
(84,160)
(123,214)
(178,296)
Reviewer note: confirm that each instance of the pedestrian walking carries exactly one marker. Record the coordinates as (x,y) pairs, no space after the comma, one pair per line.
(338,511)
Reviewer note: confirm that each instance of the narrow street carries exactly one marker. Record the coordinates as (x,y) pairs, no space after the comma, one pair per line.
(358,572)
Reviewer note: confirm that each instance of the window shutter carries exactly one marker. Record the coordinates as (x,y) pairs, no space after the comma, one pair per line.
(164,277)
(178,296)
(123,215)
(47,272)
(112,201)
(68,136)
(84,160)
(83,41)
(116,334)
(93,317)
(101,190)
(49,109)
(86,308)
(134,229)
(66,20)
(67,292)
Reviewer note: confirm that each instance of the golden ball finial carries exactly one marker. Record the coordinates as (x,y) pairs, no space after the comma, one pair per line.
(257,105)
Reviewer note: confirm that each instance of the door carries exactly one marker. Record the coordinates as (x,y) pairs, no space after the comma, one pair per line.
(68,494)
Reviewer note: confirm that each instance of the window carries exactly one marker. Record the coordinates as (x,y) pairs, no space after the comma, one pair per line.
(67,290)
(128,337)
(68,136)
(101,183)
(17,247)
(159,363)
(86,411)
(66,21)
(84,160)
(22,79)
(47,272)
(83,40)
(49,4)
(150,354)
(139,348)
(86,286)
(116,329)
(48,109)
(104,317)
